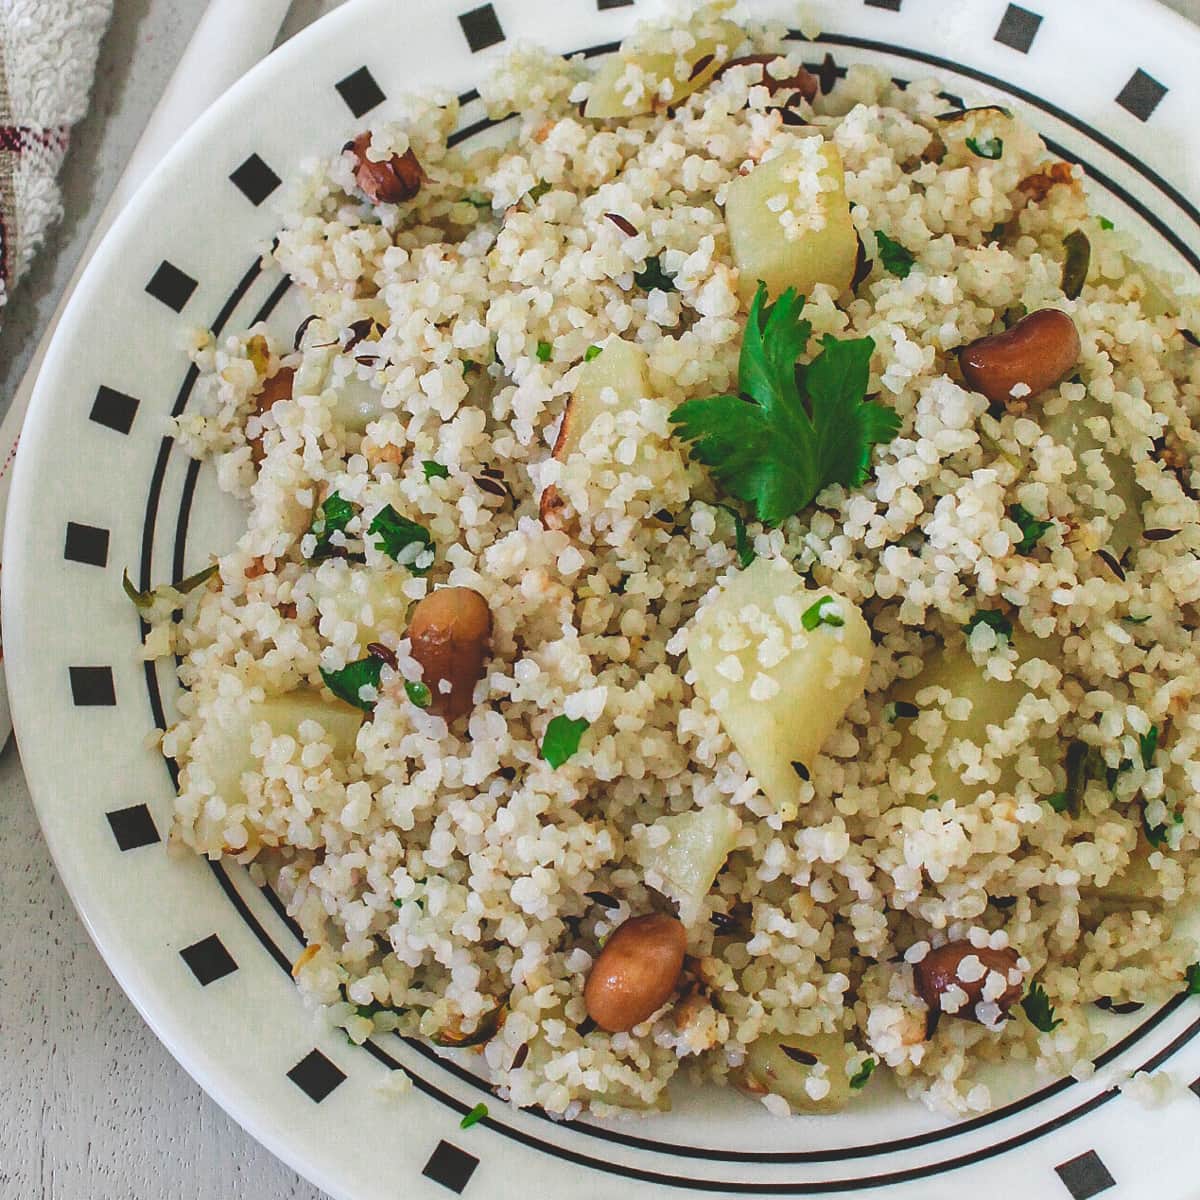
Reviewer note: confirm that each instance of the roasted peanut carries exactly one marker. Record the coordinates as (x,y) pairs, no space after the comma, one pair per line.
(943,968)
(450,630)
(392,181)
(1037,351)
(278,387)
(636,972)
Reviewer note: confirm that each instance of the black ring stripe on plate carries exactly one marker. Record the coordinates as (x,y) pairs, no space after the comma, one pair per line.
(86,544)
(891,5)
(1018,28)
(603,5)
(255,180)
(570,1155)
(208,960)
(113,409)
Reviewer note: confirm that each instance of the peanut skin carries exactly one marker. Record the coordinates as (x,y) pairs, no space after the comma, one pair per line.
(636,972)
(938,971)
(278,387)
(450,631)
(393,181)
(1038,351)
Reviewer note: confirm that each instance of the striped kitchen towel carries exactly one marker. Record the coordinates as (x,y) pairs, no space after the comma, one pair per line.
(47,58)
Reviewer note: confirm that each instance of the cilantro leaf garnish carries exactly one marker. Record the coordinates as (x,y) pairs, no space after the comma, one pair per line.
(477,1114)
(1193,979)
(538,190)
(802,428)
(653,276)
(333,517)
(824,612)
(1136,620)
(544,351)
(562,739)
(1031,528)
(896,258)
(741,539)
(858,1080)
(1148,744)
(1039,1010)
(990,616)
(352,678)
(592,352)
(418,693)
(1105,223)
(435,470)
(990,148)
(402,540)
(1060,801)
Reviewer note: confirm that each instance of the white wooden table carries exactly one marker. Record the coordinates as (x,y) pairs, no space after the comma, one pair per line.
(91,1105)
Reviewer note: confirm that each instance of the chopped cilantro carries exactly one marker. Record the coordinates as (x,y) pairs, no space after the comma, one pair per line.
(352,678)
(1193,979)
(802,429)
(741,539)
(1075,264)
(1105,223)
(1136,620)
(991,617)
(858,1080)
(1039,1010)
(1060,801)
(538,190)
(477,1114)
(653,276)
(1031,528)
(147,599)
(334,515)
(418,693)
(1156,835)
(562,739)
(402,540)
(896,258)
(544,351)
(435,470)
(1148,744)
(990,148)
(897,710)
(592,352)
(824,612)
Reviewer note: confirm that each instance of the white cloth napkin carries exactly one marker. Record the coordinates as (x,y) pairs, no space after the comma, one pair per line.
(47,54)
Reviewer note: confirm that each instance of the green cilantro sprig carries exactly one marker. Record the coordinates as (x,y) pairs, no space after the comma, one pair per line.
(858,1080)
(652,276)
(435,470)
(824,612)
(352,678)
(990,148)
(802,427)
(592,352)
(402,540)
(477,1114)
(418,693)
(333,517)
(562,738)
(1031,528)
(896,258)
(1039,1010)
(990,617)
(1192,978)
(741,538)
(1148,745)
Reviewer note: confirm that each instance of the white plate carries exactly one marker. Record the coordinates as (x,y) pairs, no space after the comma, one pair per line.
(204,953)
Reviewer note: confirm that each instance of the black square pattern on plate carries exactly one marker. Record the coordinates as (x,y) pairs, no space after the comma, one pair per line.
(360,92)
(86,544)
(316,1076)
(451,1167)
(208,960)
(133,827)
(602,5)
(1085,1176)
(92,687)
(114,409)
(891,5)
(255,180)
(482,27)
(1195,1086)
(1141,95)
(1018,28)
(172,286)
